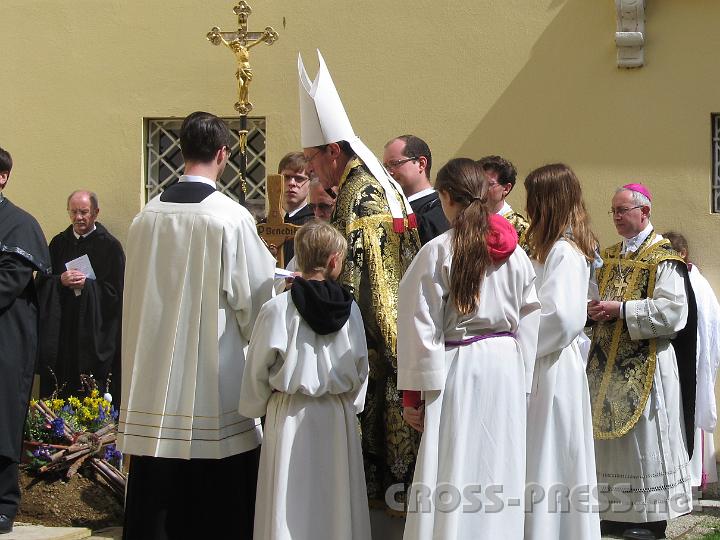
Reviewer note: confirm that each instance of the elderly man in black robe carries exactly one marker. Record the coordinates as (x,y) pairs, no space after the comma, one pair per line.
(22,252)
(81,315)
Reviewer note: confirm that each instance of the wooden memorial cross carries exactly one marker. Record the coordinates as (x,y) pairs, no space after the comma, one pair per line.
(275,232)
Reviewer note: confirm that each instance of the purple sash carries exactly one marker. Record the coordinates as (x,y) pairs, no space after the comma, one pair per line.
(468,341)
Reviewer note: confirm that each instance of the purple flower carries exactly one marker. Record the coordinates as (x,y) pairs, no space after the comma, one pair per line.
(101,413)
(42,453)
(58,427)
(111,453)
(114,413)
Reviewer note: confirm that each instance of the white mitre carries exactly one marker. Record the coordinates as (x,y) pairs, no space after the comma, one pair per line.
(323,120)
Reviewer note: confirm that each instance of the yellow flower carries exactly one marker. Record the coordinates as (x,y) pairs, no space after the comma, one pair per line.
(74,402)
(57,404)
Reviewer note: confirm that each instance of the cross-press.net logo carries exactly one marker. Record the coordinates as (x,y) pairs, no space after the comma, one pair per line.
(558,498)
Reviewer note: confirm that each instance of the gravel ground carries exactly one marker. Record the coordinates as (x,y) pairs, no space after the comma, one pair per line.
(696,525)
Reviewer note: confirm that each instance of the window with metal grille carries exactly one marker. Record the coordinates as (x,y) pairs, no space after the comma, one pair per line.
(164,163)
(716,163)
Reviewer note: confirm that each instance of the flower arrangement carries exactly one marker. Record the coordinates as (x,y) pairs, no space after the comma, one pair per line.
(68,433)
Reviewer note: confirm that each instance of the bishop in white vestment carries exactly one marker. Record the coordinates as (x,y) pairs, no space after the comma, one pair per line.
(642,396)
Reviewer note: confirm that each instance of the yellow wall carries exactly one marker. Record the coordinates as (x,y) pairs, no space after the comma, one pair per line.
(534,81)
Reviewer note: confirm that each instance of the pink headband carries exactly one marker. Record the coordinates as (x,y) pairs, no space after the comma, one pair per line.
(640,189)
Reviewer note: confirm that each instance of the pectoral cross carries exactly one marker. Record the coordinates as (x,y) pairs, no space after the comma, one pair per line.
(619,284)
(275,232)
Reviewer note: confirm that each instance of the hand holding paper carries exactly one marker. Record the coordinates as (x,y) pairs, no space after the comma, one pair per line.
(81,264)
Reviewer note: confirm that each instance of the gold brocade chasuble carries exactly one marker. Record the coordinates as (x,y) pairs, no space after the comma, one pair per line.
(376,261)
(521,226)
(620,371)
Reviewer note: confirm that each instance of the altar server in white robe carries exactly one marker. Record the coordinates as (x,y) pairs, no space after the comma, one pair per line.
(306,371)
(560,449)
(197,274)
(641,375)
(703,466)
(467,333)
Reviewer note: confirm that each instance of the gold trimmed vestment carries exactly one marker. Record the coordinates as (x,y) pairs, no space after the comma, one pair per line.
(376,261)
(621,370)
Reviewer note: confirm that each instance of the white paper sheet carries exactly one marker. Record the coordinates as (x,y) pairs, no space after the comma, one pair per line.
(81,264)
(281,273)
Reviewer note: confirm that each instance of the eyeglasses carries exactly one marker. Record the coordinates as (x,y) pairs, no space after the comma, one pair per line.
(228,151)
(82,212)
(299,179)
(395,163)
(620,212)
(309,160)
(323,207)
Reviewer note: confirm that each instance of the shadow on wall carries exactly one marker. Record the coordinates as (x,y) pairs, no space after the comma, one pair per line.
(570,101)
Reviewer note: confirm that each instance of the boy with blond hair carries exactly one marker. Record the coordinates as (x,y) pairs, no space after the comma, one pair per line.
(306,372)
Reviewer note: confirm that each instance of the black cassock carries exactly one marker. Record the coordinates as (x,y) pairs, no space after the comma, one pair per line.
(431,219)
(303,216)
(81,334)
(22,251)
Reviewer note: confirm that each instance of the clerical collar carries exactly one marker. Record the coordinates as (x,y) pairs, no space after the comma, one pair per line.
(420,194)
(631,245)
(505,210)
(292,214)
(201,179)
(77,236)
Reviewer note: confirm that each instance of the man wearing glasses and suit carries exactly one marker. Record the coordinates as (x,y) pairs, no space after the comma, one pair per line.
(408,159)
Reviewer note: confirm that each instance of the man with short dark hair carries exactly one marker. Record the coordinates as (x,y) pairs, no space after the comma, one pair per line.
(80,314)
(197,274)
(502,176)
(408,159)
(22,251)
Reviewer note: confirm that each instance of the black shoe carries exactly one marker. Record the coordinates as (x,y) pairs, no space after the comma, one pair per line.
(612,528)
(6,524)
(638,533)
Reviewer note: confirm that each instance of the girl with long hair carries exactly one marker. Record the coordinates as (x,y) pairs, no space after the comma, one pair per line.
(561,452)
(468,318)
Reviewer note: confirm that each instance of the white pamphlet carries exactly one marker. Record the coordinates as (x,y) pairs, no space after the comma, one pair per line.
(281,273)
(81,264)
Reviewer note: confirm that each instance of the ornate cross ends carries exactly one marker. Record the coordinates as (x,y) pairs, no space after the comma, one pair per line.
(630,33)
(240,42)
(275,232)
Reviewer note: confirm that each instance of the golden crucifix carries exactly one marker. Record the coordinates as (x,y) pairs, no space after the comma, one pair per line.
(240,42)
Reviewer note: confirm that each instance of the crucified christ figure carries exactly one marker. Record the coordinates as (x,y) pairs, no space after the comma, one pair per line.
(241,47)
